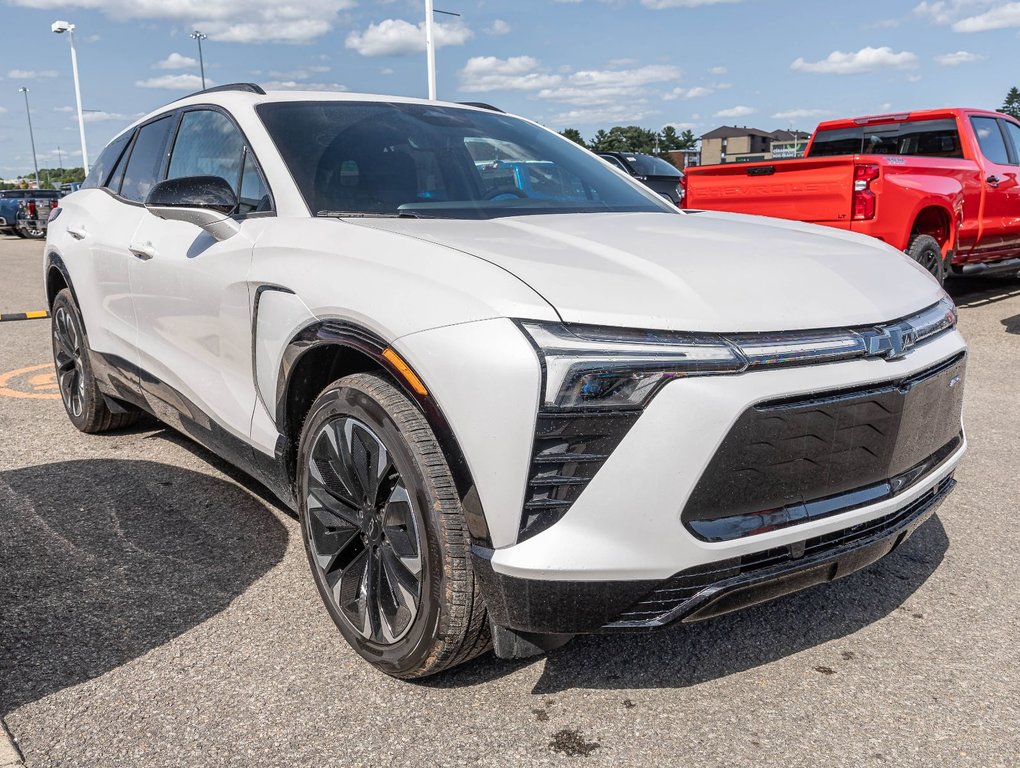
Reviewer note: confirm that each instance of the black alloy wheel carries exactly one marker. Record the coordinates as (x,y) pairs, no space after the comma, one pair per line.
(86,407)
(363,530)
(926,251)
(67,355)
(384,530)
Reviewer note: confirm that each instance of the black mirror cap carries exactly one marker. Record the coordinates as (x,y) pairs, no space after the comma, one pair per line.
(210,192)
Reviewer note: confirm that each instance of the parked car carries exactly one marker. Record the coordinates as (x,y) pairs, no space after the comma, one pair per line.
(654,172)
(501,420)
(23,212)
(939,184)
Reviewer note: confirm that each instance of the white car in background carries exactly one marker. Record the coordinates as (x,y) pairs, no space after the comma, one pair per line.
(505,415)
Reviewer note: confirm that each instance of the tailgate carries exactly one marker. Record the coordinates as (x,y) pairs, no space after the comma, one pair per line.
(816,190)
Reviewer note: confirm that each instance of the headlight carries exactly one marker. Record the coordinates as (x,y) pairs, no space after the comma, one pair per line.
(613,368)
(594,367)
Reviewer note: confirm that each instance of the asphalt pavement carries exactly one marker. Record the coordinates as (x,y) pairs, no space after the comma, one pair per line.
(156,610)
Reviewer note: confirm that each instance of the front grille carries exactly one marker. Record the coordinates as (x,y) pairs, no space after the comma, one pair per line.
(666,601)
(792,453)
(569,449)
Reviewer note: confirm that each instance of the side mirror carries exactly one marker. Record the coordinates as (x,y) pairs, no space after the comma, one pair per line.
(206,201)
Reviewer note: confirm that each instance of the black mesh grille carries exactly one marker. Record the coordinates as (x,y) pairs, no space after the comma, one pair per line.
(569,449)
(791,452)
(670,596)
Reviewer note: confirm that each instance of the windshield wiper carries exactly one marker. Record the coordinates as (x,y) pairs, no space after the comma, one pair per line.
(368,215)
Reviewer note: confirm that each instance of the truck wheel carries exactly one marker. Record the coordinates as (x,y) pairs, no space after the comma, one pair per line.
(926,251)
(385,533)
(32,234)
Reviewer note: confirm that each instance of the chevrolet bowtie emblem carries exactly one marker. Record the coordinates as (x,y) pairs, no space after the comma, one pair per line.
(890,342)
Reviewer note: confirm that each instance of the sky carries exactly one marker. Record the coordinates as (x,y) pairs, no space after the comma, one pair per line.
(585,64)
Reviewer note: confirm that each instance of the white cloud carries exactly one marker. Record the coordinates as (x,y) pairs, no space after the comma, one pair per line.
(1001,17)
(960,57)
(688,93)
(658,5)
(800,114)
(498,27)
(517,73)
(606,88)
(718,71)
(615,114)
(63,109)
(175,82)
(3,110)
(176,61)
(865,60)
(740,111)
(255,21)
(31,74)
(396,37)
(386,71)
(103,117)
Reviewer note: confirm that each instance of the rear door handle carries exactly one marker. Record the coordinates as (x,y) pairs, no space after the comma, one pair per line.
(77,234)
(143,251)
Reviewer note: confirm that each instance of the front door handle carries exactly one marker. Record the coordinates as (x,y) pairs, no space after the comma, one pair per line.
(143,251)
(77,234)
(993,181)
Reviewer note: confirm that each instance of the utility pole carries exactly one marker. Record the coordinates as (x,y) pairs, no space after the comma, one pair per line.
(196,35)
(31,137)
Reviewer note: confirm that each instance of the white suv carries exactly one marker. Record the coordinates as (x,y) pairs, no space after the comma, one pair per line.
(512,394)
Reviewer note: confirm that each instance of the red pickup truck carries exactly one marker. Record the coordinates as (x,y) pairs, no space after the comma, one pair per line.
(942,185)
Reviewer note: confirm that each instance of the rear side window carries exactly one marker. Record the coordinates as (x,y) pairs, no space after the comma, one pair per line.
(1013,131)
(100,173)
(208,144)
(989,137)
(146,161)
(920,138)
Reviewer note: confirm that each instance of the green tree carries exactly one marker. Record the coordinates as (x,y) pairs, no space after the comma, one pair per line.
(1011,105)
(574,135)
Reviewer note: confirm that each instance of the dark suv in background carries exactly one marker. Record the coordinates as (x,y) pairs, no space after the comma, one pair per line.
(654,172)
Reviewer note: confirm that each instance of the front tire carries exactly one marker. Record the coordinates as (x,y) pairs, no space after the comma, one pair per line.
(84,403)
(385,533)
(926,251)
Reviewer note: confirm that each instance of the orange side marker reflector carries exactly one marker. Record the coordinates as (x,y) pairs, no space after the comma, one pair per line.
(405,371)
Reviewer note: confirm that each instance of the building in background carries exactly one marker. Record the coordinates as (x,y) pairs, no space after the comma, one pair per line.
(740,144)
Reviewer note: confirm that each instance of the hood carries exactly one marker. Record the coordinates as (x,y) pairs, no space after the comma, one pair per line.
(701,271)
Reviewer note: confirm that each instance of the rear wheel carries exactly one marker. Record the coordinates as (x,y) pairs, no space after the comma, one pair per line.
(84,403)
(926,251)
(385,533)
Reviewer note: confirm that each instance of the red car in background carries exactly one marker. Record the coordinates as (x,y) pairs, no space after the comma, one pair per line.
(941,185)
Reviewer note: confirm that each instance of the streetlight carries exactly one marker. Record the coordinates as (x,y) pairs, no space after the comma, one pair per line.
(430,44)
(196,35)
(59,27)
(31,136)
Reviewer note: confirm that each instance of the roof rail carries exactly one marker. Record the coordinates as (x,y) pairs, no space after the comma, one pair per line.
(245,87)
(481,105)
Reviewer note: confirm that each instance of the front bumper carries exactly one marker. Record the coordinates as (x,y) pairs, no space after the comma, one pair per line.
(701,592)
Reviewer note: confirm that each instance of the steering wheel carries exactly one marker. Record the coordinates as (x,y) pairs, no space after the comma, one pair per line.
(504,191)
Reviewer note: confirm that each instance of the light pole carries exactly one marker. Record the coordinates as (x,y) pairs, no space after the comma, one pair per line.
(196,35)
(430,44)
(59,27)
(31,137)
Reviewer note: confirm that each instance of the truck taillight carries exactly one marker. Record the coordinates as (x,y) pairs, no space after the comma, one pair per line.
(681,189)
(32,211)
(53,204)
(864,199)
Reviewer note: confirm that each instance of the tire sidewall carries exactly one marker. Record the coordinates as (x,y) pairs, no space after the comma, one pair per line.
(924,245)
(408,654)
(66,301)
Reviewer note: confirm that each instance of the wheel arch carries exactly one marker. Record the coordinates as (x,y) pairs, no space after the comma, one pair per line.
(57,278)
(327,350)
(937,221)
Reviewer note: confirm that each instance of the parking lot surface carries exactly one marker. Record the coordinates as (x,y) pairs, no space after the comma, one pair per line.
(156,609)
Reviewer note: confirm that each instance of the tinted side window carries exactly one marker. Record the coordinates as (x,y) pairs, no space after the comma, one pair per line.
(254,196)
(208,144)
(839,141)
(146,161)
(100,172)
(1014,134)
(990,139)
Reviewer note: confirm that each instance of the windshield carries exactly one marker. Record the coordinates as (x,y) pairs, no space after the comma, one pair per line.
(649,165)
(377,158)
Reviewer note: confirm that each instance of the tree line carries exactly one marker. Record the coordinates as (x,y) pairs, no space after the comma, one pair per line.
(49,178)
(633,138)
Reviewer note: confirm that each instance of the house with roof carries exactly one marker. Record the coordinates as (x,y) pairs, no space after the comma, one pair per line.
(736,144)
